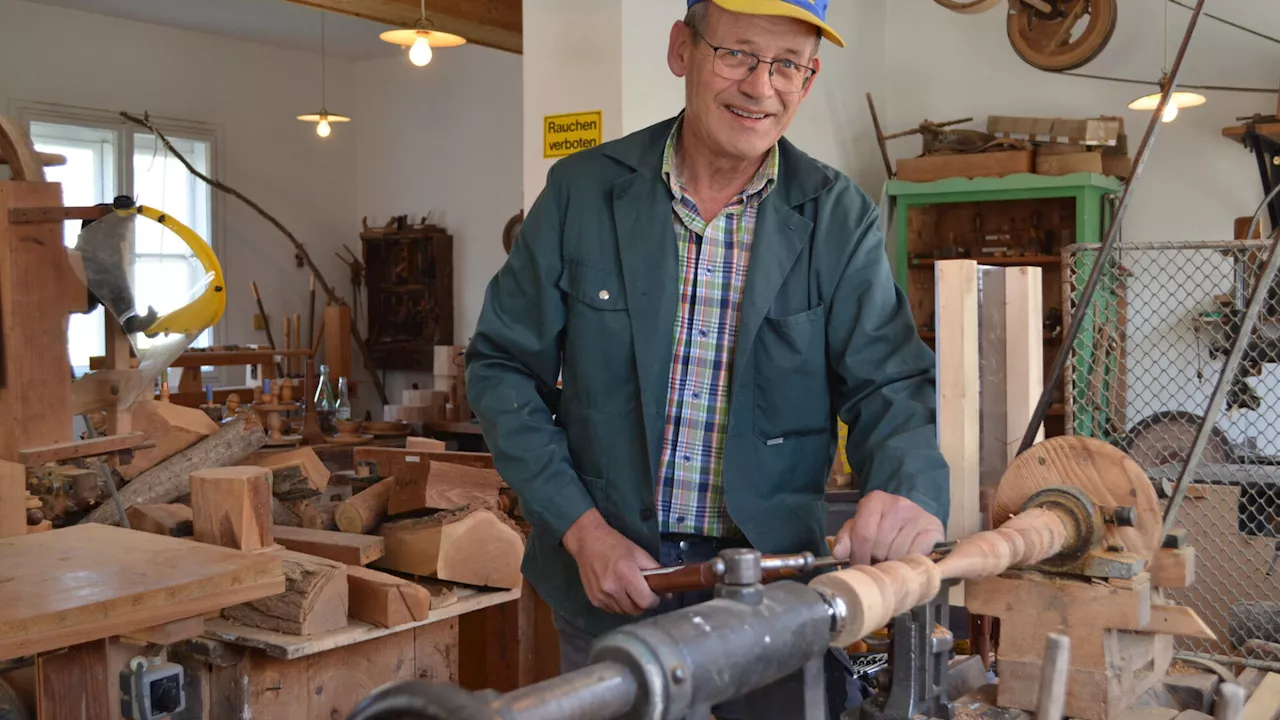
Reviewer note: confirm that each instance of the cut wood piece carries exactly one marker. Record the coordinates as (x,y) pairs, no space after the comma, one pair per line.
(1178,620)
(313,514)
(169,480)
(296,474)
(231,507)
(443,594)
(423,444)
(448,487)
(1173,568)
(314,600)
(111,581)
(282,514)
(393,461)
(173,428)
(385,600)
(1264,703)
(172,519)
(349,548)
(475,548)
(170,632)
(365,509)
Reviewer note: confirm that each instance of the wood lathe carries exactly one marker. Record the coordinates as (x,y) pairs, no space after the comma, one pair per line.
(1072,542)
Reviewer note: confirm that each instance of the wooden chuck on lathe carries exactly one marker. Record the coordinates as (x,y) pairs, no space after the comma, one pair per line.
(1075,549)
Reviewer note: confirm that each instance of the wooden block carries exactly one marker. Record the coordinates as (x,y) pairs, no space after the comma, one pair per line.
(475,548)
(173,428)
(1193,691)
(70,450)
(337,341)
(365,509)
(315,598)
(1178,620)
(231,507)
(450,487)
(385,600)
(13,499)
(424,444)
(36,283)
(1173,568)
(958,392)
(173,519)
(448,360)
(170,632)
(484,461)
(1264,703)
(989,164)
(295,474)
(1067,163)
(392,461)
(348,548)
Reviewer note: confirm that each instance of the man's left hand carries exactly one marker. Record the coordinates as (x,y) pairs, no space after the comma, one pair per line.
(887,527)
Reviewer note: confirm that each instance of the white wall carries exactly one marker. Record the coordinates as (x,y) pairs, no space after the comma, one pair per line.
(443,139)
(250,93)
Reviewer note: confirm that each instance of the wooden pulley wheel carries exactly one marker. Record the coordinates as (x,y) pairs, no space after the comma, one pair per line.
(1068,36)
(968,7)
(512,229)
(1106,475)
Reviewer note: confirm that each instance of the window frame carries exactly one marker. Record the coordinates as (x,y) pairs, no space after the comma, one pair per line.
(28,111)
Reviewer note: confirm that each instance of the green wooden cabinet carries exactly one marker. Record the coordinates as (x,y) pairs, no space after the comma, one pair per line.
(1036,216)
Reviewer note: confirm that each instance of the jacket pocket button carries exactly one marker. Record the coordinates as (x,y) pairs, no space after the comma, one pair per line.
(604,294)
(646,514)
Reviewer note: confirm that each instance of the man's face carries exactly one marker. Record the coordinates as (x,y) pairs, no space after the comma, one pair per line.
(739,119)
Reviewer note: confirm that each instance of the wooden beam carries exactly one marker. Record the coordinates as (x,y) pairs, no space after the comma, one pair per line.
(348,548)
(491,23)
(92,447)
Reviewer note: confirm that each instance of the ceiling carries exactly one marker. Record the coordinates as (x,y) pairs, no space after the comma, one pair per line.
(269,22)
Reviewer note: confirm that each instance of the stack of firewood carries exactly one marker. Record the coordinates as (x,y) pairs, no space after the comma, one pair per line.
(428,520)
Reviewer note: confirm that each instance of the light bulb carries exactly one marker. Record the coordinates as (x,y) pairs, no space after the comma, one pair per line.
(420,53)
(1170,112)
(322,128)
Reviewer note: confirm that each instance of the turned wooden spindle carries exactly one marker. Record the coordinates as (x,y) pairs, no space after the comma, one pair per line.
(874,594)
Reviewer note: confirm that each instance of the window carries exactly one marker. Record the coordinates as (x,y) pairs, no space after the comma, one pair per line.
(106,158)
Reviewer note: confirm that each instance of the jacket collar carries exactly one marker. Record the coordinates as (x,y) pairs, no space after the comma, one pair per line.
(800,177)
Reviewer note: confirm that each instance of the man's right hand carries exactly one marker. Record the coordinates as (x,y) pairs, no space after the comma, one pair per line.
(610,566)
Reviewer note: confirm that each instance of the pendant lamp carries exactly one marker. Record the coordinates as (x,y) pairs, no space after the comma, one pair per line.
(1180,98)
(323,118)
(420,39)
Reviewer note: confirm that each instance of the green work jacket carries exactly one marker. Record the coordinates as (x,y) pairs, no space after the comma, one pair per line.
(589,294)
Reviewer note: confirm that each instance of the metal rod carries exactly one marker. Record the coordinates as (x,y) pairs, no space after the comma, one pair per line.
(1113,234)
(597,692)
(1053,677)
(1229,366)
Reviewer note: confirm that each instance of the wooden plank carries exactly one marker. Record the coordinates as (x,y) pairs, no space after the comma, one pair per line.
(13,499)
(110,581)
(1024,352)
(484,461)
(424,444)
(338,681)
(315,598)
(337,342)
(989,164)
(34,280)
(386,600)
(231,507)
(20,154)
(1264,704)
(1178,620)
(75,684)
(172,519)
(436,651)
(343,547)
(497,646)
(958,397)
(57,452)
(495,23)
(286,646)
(1271,131)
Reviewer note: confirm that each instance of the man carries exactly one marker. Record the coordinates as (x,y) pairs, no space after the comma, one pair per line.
(712,298)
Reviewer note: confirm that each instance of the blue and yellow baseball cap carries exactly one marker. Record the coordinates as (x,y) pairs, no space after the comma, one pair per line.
(813,12)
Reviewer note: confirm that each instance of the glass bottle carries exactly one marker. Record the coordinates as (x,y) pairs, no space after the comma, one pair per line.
(325,403)
(342,410)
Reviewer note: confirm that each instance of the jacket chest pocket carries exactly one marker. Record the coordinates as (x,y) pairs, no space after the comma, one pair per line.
(791,389)
(599,356)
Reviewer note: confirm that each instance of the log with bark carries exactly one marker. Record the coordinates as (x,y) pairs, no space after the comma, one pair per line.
(315,598)
(169,480)
(474,547)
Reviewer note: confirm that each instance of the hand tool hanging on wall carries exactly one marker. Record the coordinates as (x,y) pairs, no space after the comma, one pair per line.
(266,326)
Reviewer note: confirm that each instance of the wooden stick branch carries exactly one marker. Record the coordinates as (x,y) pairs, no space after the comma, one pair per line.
(301,249)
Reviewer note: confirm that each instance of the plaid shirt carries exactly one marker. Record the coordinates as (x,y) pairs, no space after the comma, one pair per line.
(713,270)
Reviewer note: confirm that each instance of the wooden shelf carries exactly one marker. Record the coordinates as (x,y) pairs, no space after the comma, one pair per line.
(998,260)
(1270,131)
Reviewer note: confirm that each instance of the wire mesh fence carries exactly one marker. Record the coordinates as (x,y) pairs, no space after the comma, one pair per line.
(1140,375)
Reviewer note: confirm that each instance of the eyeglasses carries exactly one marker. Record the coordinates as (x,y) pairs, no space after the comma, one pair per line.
(732,64)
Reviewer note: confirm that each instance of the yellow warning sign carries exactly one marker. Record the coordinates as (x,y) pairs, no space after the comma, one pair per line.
(567,134)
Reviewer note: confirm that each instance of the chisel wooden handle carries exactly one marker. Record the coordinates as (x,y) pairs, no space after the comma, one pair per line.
(874,594)
(681,578)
